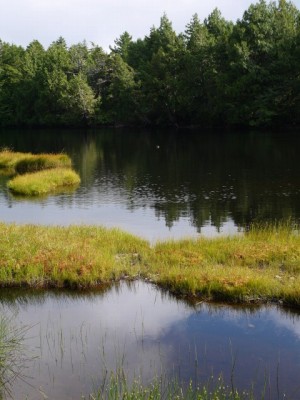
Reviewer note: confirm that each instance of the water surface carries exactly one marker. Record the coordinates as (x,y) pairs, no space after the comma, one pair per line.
(78,338)
(157,184)
(160,184)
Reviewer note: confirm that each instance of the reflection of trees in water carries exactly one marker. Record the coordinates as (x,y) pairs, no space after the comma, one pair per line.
(204,176)
(16,297)
(207,177)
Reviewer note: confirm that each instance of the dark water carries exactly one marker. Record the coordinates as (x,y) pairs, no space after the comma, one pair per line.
(145,332)
(165,183)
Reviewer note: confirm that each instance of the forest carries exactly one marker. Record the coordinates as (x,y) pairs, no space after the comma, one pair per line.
(217,73)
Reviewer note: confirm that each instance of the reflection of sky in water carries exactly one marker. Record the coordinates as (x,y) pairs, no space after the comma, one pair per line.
(145,332)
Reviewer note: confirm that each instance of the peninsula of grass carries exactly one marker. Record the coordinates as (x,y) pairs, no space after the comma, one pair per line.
(28,162)
(260,266)
(43,182)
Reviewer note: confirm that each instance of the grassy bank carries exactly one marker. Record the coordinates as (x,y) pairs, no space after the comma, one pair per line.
(76,256)
(261,265)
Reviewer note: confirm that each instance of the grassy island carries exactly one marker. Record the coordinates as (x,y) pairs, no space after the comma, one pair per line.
(43,182)
(37,174)
(259,266)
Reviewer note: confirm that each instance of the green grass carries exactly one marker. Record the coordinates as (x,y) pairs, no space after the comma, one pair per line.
(77,256)
(27,162)
(43,182)
(261,265)
(117,388)
(258,266)
(9,159)
(39,173)
(38,162)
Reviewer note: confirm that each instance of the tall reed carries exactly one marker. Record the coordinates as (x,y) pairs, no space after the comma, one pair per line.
(117,388)
(13,359)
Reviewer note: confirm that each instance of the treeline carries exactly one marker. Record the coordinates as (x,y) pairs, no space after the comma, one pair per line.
(214,73)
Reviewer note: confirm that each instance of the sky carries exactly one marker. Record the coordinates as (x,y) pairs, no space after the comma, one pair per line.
(102,21)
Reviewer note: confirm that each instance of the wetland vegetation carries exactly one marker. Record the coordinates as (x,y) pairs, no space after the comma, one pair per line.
(117,388)
(37,174)
(13,358)
(18,162)
(43,182)
(258,266)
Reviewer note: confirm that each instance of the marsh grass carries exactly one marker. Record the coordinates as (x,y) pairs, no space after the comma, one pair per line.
(259,266)
(39,162)
(39,173)
(77,256)
(42,182)
(13,359)
(162,389)
(11,161)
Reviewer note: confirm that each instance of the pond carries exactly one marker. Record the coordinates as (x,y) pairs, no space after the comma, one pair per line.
(75,337)
(157,184)
(160,184)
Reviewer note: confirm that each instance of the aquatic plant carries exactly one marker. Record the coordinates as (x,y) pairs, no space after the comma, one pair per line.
(117,388)
(42,182)
(12,356)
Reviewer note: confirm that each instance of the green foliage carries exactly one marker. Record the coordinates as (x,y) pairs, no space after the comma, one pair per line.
(216,72)
(120,97)
(263,46)
(122,46)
